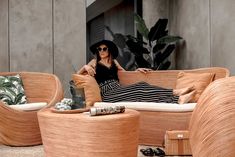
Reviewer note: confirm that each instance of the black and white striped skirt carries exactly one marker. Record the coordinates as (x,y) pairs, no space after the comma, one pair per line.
(111,91)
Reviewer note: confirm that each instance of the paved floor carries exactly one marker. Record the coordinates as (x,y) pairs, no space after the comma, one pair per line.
(35,151)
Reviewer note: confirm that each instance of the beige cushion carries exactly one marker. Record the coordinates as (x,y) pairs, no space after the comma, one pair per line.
(91,88)
(29,106)
(199,80)
(151,106)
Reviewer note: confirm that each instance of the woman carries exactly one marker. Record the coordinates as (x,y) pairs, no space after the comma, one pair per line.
(105,70)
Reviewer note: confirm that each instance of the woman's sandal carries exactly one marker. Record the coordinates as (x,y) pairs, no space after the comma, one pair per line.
(148,151)
(153,152)
(159,152)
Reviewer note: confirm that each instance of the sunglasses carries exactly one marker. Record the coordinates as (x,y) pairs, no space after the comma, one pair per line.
(102,49)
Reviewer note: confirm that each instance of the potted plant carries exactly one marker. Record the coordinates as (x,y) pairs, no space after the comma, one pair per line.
(155,51)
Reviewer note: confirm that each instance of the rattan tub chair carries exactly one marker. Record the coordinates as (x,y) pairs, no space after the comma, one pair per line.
(21,128)
(212,126)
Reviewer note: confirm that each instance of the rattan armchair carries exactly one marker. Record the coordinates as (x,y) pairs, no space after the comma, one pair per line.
(212,126)
(21,128)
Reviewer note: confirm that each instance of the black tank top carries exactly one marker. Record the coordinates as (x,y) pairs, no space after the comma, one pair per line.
(104,73)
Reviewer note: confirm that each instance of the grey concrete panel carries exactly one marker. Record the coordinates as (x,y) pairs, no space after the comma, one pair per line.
(4,59)
(31,35)
(190,20)
(223,34)
(120,19)
(69,38)
(153,10)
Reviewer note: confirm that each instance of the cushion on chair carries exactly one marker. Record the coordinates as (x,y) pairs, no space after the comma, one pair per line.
(199,80)
(11,90)
(29,106)
(91,88)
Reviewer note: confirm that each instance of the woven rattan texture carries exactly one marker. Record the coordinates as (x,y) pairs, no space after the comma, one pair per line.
(212,127)
(82,135)
(20,128)
(153,124)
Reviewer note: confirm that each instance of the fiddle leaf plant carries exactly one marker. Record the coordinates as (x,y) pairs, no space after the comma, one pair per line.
(160,44)
(155,51)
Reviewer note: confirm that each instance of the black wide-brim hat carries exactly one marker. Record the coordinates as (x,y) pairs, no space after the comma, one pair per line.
(112,48)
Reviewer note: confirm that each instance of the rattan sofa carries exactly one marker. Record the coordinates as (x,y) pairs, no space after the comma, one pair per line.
(153,124)
(21,128)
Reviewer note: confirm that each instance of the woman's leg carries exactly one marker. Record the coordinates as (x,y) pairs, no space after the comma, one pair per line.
(140,92)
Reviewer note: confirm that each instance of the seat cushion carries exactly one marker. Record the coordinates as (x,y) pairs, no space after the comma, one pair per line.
(151,106)
(29,106)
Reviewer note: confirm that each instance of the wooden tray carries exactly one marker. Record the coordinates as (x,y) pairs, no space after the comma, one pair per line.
(81,110)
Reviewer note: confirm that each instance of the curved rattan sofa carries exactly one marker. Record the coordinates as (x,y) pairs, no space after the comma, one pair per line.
(212,126)
(153,124)
(20,128)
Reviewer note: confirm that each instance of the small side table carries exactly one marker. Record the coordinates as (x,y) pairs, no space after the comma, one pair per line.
(80,135)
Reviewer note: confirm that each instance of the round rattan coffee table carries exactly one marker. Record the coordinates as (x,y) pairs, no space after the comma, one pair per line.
(82,135)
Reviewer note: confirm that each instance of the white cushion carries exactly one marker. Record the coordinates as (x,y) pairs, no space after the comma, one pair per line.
(151,106)
(29,106)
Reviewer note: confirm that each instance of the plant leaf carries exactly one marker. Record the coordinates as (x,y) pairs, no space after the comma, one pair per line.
(164,66)
(158,47)
(166,53)
(18,98)
(136,48)
(130,37)
(168,39)
(157,59)
(7,98)
(141,26)
(141,62)
(158,30)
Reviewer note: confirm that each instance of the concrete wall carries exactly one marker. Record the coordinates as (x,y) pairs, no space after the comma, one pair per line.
(190,20)
(208,28)
(153,10)
(4,55)
(43,36)
(222,21)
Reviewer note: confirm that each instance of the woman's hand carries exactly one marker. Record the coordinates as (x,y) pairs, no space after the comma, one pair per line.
(87,68)
(90,70)
(143,70)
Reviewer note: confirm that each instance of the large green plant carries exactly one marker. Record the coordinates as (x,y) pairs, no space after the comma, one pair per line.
(155,51)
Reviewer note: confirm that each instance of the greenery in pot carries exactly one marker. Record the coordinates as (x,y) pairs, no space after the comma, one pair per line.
(151,54)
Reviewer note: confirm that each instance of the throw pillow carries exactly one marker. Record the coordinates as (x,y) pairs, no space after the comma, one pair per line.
(91,88)
(11,90)
(198,80)
(29,106)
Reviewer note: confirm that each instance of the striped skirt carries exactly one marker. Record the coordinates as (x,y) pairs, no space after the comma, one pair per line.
(111,91)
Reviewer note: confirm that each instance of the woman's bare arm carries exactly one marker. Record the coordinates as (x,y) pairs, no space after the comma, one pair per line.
(120,68)
(89,68)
